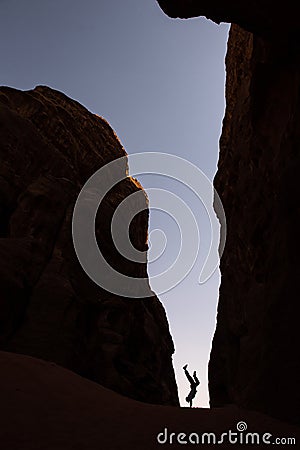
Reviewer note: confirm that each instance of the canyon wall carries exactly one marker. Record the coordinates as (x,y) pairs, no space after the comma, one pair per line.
(49,307)
(254,360)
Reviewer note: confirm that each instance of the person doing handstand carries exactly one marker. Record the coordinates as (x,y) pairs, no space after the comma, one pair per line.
(194,382)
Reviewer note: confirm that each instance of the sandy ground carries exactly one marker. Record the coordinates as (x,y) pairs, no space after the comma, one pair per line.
(44,406)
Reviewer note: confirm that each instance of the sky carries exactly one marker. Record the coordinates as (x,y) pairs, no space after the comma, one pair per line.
(160,84)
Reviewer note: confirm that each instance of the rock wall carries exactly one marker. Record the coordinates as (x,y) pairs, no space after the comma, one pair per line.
(254,361)
(49,308)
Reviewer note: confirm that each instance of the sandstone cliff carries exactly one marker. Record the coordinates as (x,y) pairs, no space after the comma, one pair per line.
(254,360)
(49,308)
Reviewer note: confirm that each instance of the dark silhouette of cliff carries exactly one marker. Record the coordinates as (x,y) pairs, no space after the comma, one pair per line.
(49,308)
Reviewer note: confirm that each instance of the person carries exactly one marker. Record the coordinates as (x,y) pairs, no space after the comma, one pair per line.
(194,382)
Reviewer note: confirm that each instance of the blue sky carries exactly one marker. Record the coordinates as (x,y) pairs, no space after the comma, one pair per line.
(160,84)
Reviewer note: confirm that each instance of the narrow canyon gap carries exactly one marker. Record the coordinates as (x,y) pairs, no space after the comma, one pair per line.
(254,361)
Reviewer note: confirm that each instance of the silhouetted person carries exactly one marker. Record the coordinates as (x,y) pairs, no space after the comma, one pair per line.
(194,382)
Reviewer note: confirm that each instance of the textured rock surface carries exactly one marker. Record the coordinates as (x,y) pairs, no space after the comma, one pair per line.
(49,308)
(254,360)
(44,406)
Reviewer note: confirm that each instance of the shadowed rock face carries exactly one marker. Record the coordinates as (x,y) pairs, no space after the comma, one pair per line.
(49,308)
(254,360)
(263,17)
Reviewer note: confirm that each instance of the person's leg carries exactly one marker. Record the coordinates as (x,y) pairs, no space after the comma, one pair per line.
(196,379)
(191,380)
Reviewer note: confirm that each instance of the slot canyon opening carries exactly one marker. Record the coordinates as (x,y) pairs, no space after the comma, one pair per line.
(192,130)
(160,84)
